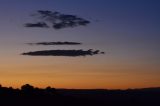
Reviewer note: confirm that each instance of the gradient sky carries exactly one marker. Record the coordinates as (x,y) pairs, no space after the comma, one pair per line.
(126,30)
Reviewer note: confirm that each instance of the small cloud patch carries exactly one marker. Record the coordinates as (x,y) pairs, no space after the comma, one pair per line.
(38,24)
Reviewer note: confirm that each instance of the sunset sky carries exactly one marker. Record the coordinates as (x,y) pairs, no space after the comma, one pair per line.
(128,31)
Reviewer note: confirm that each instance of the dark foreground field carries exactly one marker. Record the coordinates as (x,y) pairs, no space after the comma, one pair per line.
(30,96)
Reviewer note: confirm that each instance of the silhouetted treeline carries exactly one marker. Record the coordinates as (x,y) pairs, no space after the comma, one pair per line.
(32,96)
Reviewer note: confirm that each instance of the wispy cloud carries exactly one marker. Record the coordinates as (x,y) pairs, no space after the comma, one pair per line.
(69,53)
(55,43)
(56,20)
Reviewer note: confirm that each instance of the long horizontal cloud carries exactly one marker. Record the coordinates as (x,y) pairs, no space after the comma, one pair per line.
(70,53)
(57,20)
(55,43)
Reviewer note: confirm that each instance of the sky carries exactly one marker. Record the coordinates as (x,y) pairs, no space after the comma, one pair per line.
(126,30)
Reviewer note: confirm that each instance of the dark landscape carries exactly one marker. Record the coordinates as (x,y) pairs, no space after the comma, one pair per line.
(32,96)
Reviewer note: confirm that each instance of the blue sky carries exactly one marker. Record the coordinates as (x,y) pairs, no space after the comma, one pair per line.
(127,30)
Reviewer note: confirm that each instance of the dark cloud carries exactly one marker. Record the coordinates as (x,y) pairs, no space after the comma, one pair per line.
(55,43)
(70,53)
(38,24)
(58,20)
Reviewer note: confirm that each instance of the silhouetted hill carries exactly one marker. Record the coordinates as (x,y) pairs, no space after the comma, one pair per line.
(31,96)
